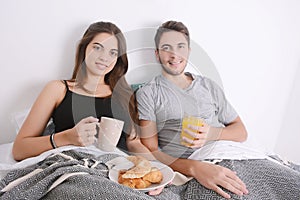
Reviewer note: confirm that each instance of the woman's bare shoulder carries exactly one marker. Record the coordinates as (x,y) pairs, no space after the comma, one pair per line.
(55,87)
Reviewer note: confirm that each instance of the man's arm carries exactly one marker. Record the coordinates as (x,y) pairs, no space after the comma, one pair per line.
(136,147)
(234,131)
(209,175)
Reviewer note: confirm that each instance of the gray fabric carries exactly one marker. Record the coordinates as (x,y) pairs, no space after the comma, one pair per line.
(287,163)
(163,102)
(264,179)
(93,185)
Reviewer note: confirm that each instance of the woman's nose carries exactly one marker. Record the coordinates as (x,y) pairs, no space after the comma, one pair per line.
(103,56)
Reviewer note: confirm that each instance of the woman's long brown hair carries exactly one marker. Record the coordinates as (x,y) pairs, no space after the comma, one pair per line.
(116,77)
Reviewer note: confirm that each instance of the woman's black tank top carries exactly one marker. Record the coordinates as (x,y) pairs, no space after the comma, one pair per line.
(74,107)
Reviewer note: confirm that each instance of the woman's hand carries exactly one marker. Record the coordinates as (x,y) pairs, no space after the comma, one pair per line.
(156,191)
(83,133)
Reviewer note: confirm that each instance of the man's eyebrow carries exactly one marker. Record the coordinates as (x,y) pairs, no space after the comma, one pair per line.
(168,45)
(182,43)
(163,45)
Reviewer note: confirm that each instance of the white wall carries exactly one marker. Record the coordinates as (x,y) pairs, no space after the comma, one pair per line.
(254,44)
(289,134)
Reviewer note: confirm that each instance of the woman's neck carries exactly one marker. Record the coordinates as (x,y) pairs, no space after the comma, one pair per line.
(96,86)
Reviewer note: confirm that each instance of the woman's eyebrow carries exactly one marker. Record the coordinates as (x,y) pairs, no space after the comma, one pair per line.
(97,43)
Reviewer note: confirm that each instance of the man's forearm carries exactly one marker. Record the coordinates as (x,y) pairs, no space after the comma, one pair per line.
(136,147)
(181,165)
(234,131)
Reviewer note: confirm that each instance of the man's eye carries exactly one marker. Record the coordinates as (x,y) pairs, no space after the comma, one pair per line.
(166,48)
(181,46)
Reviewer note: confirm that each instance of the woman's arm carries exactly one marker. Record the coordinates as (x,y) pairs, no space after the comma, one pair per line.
(29,141)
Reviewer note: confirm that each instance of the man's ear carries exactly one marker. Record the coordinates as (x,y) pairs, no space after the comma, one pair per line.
(156,55)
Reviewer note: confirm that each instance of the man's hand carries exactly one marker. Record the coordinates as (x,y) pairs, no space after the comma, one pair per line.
(201,134)
(213,176)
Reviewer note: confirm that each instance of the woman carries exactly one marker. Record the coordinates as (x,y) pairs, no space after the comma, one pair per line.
(97,88)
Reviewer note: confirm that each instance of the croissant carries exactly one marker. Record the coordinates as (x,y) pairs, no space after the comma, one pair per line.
(137,183)
(141,175)
(155,176)
(141,167)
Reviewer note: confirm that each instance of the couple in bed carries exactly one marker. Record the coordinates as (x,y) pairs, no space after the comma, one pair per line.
(152,119)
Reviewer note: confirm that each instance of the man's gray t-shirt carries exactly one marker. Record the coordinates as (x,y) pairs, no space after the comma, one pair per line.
(164,103)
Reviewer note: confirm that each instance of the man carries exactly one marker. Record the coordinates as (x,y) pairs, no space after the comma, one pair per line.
(164,101)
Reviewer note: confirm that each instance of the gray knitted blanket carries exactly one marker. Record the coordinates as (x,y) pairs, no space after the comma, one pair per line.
(68,175)
(77,175)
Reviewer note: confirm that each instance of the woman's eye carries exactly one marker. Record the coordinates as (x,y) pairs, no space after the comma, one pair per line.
(113,53)
(97,48)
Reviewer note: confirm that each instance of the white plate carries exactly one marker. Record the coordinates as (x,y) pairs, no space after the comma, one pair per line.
(167,172)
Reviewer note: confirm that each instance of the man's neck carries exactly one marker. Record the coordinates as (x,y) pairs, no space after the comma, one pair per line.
(182,80)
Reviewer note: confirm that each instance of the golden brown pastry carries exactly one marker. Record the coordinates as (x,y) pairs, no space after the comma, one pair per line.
(137,183)
(155,176)
(141,167)
(141,175)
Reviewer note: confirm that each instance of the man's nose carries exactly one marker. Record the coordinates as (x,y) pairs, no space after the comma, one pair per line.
(174,53)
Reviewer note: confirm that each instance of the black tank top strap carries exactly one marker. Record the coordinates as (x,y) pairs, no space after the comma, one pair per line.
(66,84)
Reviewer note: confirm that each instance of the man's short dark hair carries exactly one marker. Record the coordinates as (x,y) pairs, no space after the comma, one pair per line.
(171,26)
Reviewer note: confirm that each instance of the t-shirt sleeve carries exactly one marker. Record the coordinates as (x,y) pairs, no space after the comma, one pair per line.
(145,103)
(226,112)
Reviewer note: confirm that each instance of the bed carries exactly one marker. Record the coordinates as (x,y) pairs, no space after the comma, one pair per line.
(72,172)
(82,173)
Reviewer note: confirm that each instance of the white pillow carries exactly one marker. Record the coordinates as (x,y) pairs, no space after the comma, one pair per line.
(18,119)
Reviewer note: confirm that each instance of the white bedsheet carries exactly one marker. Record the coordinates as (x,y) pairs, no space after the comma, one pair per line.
(5,154)
(227,150)
(7,162)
